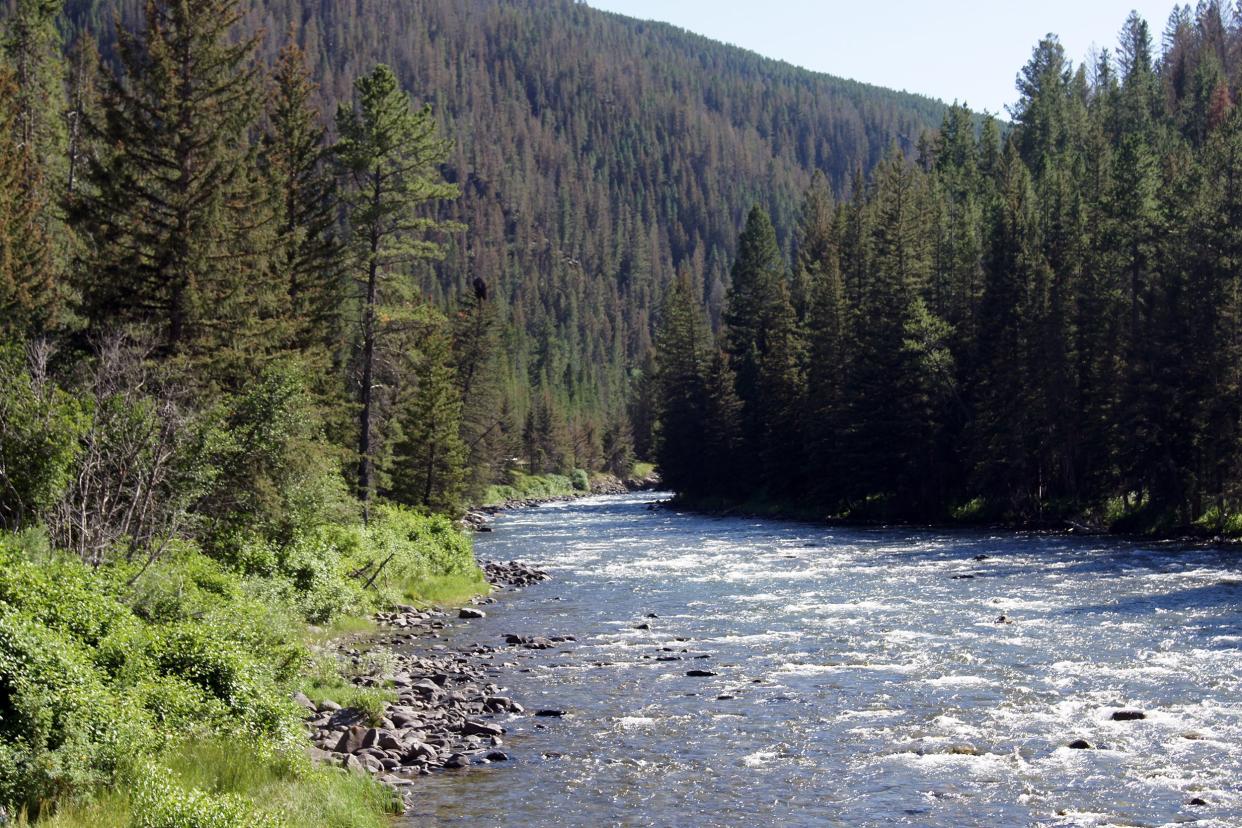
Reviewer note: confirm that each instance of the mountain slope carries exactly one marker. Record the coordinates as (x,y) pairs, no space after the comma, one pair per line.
(597,155)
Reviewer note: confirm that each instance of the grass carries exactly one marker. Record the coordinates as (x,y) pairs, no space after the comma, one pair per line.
(273,789)
(344,626)
(642,470)
(445,590)
(528,486)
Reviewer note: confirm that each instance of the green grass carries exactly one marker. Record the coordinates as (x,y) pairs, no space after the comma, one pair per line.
(642,470)
(528,486)
(226,783)
(446,590)
(343,626)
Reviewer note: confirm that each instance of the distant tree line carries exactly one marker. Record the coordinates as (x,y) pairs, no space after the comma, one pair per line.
(1036,327)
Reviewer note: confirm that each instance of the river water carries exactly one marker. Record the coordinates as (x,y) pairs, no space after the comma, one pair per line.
(861,679)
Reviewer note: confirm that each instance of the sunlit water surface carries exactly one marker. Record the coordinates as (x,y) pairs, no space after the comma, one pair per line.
(859,682)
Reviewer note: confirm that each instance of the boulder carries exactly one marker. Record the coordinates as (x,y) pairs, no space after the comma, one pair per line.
(471,612)
(1128,715)
(457,761)
(301,700)
(1080,744)
(473,727)
(351,740)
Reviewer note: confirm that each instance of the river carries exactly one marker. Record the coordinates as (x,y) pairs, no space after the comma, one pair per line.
(863,677)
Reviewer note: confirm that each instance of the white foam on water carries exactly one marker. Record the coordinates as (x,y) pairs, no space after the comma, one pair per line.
(759,758)
(958,681)
(629,722)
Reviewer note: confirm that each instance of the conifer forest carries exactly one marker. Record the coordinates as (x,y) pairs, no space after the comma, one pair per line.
(297,294)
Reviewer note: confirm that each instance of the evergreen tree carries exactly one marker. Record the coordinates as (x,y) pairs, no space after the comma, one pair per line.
(172,208)
(27,289)
(681,351)
(430,463)
(308,255)
(389,155)
(757,318)
(475,350)
(826,378)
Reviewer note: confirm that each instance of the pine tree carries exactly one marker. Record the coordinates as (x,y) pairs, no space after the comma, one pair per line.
(27,288)
(389,155)
(1008,429)
(756,319)
(681,351)
(826,378)
(475,351)
(32,44)
(430,463)
(173,207)
(891,407)
(308,255)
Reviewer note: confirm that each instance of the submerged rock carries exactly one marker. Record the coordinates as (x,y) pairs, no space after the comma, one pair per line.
(1128,715)
(1080,744)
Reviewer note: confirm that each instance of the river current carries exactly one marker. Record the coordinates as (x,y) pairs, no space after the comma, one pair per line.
(862,677)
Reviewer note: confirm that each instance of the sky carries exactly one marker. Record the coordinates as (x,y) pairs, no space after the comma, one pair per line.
(964,50)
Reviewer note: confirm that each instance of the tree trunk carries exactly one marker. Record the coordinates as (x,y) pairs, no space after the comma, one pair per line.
(368,362)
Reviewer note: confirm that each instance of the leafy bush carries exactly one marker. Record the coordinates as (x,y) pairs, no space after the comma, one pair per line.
(276,475)
(158,802)
(39,430)
(581,482)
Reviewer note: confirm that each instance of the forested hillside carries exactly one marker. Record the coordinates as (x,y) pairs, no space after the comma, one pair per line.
(597,155)
(1044,328)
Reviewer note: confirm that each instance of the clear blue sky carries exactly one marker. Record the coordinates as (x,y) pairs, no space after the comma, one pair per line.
(951,49)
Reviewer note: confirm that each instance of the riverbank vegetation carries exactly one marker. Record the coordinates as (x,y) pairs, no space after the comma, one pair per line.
(228,423)
(1038,326)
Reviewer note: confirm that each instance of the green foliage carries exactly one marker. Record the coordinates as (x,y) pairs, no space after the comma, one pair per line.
(39,429)
(173,212)
(581,480)
(522,486)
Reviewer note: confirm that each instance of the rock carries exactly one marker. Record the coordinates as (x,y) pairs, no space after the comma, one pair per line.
(353,764)
(346,718)
(351,740)
(550,714)
(497,756)
(962,577)
(328,706)
(982,557)
(642,626)
(1197,801)
(420,750)
(1080,744)
(1128,715)
(700,673)
(471,612)
(302,701)
(456,761)
(651,615)
(473,727)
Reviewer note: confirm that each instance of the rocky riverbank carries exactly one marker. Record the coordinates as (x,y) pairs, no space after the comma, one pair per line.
(450,710)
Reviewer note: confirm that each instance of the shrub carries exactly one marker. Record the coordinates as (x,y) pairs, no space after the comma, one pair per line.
(581,481)
(158,802)
(62,730)
(39,430)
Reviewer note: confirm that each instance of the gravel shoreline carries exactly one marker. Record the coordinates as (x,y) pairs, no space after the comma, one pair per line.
(450,712)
